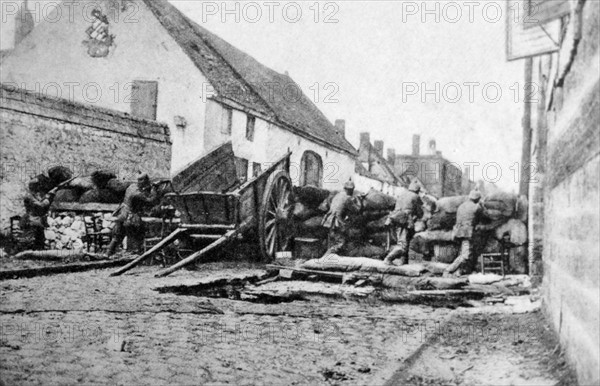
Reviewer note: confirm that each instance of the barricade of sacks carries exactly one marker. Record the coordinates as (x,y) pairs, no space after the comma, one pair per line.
(68,231)
(101,186)
(367,231)
(504,226)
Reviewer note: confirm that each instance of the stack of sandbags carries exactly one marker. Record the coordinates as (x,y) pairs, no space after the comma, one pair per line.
(500,205)
(99,187)
(444,216)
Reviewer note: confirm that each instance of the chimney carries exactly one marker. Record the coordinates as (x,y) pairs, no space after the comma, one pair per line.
(340,127)
(391,156)
(416,145)
(365,139)
(432,147)
(379,147)
(23,23)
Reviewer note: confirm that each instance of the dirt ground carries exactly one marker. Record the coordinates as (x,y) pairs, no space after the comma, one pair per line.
(93,329)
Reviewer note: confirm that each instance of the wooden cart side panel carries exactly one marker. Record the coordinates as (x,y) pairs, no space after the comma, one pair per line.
(203,208)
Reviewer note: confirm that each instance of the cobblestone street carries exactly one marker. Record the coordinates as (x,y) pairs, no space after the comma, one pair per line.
(91,329)
(71,328)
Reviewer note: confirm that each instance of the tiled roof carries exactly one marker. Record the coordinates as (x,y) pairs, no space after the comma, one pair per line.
(237,76)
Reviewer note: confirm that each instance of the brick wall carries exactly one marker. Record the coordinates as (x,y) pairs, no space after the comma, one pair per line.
(571,250)
(39,132)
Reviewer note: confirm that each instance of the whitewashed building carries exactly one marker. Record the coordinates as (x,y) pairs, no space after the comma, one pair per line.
(147,59)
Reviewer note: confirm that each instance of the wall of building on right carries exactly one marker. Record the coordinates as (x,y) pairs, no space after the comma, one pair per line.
(564,216)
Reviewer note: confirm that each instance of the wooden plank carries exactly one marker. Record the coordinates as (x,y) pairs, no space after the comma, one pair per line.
(166,241)
(307,271)
(214,172)
(207,226)
(89,207)
(229,236)
(68,268)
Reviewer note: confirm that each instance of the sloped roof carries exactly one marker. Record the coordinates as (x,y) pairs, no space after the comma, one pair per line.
(368,154)
(237,76)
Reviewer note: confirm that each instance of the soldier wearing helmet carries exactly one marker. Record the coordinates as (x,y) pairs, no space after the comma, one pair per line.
(407,211)
(343,205)
(468,216)
(129,223)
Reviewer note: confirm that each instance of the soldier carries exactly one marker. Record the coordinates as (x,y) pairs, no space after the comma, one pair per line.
(407,211)
(468,216)
(37,203)
(129,215)
(342,206)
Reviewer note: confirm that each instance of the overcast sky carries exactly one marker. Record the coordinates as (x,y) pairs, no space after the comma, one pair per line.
(375,59)
(381,56)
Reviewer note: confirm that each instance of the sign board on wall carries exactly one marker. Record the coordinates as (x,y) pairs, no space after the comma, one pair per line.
(535,39)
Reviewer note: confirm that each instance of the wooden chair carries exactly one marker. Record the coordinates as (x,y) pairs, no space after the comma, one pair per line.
(493,263)
(93,237)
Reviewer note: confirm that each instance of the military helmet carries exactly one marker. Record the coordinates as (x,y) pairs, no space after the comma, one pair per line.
(349,185)
(414,187)
(143,179)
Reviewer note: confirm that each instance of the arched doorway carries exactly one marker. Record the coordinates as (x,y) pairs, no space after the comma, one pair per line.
(311,169)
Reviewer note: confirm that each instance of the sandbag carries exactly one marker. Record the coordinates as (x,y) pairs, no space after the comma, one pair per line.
(450,204)
(303,212)
(430,235)
(59,174)
(376,200)
(310,195)
(334,262)
(364,250)
(495,214)
(516,229)
(117,186)
(505,203)
(376,226)
(82,184)
(66,195)
(522,212)
(101,178)
(102,196)
(441,220)
(314,222)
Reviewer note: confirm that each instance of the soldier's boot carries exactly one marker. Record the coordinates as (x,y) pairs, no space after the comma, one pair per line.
(112,247)
(393,255)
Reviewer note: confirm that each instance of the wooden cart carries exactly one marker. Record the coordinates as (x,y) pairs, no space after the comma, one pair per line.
(260,207)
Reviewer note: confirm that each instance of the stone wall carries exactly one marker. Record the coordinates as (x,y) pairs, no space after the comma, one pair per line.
(39,132)
(571,250)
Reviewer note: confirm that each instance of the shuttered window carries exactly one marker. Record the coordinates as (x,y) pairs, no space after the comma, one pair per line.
(226,120)
(144,96)
(250,123)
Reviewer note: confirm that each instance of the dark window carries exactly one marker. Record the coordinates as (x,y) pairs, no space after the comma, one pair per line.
(256,169)
(241,167)
(250,128)
(311,169)
(226,120)
(144,96)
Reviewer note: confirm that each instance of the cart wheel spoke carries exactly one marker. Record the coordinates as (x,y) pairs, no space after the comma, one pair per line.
(274,220)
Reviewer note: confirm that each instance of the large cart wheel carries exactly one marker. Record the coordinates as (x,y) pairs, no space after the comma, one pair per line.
(274,227)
